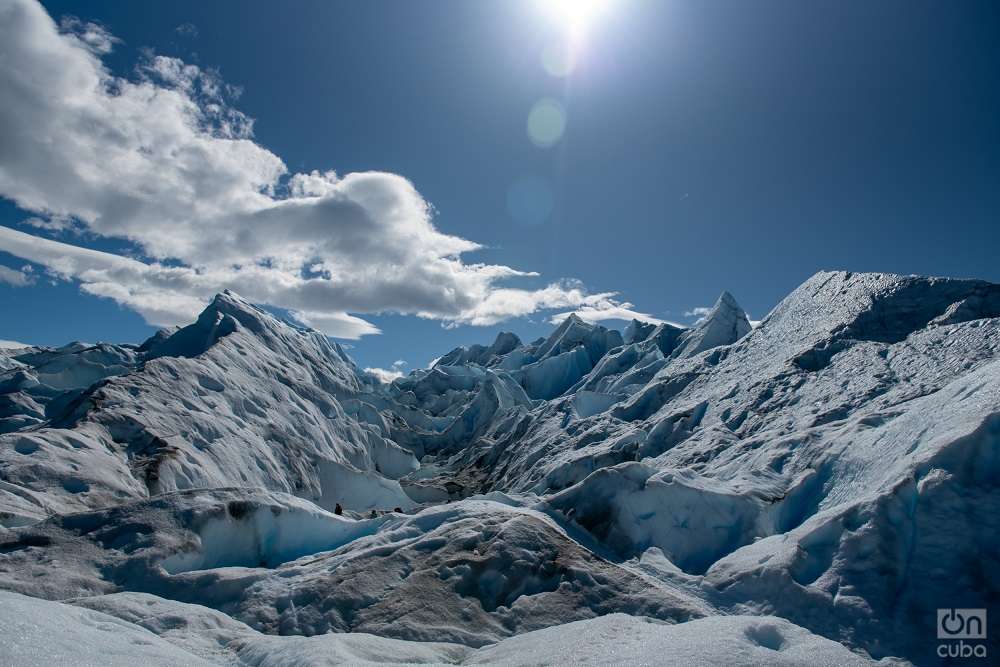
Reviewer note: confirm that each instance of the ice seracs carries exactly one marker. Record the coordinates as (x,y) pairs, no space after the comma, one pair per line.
(725,324)
(808,490)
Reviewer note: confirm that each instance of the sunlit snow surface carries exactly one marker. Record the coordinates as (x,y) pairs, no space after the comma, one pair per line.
(807,492)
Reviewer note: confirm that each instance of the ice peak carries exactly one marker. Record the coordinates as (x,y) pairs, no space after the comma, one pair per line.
(638,331)
(219,319)
(724,325)
(230,303)
(230,299)
(727,300)
(504,343)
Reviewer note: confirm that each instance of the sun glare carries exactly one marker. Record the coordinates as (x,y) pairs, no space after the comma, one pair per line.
(575,15)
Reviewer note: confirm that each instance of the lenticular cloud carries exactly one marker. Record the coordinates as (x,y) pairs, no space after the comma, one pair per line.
(165,161)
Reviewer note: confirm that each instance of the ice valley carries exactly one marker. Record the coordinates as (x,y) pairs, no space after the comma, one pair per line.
(811,490)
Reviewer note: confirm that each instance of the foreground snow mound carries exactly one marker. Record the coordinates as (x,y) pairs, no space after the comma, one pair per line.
(214,636)
(707,642)
(35,633)
(133,628)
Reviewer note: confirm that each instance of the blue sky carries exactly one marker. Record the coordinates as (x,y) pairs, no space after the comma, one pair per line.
(707,146)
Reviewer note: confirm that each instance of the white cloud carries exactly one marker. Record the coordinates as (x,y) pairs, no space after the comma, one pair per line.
(92,36)
(166,295)
(15,278)
(164,161)
(502,303)
(387,375)
(384,375)
(700,312)
(341,325)
(601,307)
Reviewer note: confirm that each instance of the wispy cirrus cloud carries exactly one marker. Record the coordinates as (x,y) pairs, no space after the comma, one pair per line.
(165,161)
(698,311)
(189,30)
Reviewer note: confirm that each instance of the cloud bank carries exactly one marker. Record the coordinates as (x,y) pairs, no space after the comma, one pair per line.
(164,161)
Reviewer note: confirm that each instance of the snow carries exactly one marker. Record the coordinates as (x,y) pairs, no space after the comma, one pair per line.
(631,507)
(252,535)
(627,640)
(358,490)
(248,401)
(589,403)
(117,629)
(34,633)
(808,490)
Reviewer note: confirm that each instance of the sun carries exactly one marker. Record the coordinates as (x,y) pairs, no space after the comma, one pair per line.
(575,15)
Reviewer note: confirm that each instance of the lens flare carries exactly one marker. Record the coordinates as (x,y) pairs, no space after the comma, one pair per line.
(546,122)
(557,59)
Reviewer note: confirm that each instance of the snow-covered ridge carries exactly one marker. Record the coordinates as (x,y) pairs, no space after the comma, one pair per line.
(836,467)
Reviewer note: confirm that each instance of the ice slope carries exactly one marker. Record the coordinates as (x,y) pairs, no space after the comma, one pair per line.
(37,383)
(835,467)
(713,413)
(236,399)
(883,553)
(834,405)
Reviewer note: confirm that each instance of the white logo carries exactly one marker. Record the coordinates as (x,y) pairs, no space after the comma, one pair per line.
(957,625)
(961,623)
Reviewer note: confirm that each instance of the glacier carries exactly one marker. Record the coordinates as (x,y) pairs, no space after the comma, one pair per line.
(239,492)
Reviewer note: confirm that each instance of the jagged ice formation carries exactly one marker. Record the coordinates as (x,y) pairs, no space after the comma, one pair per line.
(807,491)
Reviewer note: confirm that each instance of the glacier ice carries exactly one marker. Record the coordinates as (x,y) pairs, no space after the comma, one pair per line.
(807,491)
